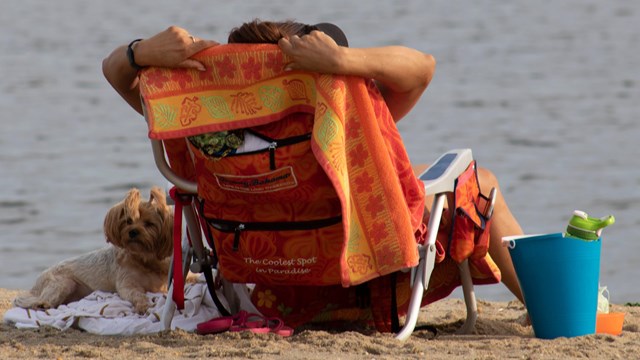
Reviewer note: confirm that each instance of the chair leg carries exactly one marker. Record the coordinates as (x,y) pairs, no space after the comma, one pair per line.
(168,310)
(190,245)
(170,306)
(422,274)
(469,299)
(195,232)
(202,262)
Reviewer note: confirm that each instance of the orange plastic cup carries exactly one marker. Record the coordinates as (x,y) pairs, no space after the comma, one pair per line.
(610,323)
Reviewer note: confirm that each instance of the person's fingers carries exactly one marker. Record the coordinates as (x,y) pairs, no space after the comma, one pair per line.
(287,48)
(197,46)
(285,45)
(192,64)
(294,39)
(134,84)
(291,66)
(201,44)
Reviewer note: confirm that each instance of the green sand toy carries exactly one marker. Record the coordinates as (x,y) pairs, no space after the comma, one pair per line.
(582,226)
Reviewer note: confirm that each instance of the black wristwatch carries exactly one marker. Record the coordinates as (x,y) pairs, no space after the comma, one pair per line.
(131,56)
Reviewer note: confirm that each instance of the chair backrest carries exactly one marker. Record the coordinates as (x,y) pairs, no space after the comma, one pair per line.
(330,199)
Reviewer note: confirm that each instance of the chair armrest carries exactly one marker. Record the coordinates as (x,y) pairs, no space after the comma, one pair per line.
(440,177)
(164,168)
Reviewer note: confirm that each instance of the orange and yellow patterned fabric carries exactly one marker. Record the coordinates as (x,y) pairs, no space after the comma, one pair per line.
(354,140)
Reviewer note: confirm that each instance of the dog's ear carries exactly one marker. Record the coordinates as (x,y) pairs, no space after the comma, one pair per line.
(112,222)
(132,203)
(158,198)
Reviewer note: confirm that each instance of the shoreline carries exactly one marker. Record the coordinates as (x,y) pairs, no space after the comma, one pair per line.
(499,334)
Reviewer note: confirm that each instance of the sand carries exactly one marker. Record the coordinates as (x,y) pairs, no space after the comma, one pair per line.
(500,333)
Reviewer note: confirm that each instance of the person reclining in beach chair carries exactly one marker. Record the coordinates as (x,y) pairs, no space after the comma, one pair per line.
(388,83)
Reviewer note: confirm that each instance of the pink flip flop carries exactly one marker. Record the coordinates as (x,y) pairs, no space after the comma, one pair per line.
(215,326)
(244,321)
(251,322)
(277,326)
(221,324)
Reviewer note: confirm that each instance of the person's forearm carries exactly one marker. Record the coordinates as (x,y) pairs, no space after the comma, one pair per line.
(122,76)
(171,48)
(398,68)
(402,73)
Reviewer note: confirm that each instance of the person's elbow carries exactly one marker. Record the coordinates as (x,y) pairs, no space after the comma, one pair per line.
(425,68)
(429,68)
(401,102)
(107,70)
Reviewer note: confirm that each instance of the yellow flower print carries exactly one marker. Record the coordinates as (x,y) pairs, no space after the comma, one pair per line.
(266,298)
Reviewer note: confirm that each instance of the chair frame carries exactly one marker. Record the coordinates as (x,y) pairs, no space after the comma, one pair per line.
(439,180)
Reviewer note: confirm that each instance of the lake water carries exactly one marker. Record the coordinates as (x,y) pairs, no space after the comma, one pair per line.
(546,93)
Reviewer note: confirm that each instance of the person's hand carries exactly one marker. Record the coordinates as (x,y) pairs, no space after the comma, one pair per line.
(315,51)
(172,47)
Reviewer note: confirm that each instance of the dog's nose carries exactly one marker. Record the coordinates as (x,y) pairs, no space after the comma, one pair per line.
(133,233)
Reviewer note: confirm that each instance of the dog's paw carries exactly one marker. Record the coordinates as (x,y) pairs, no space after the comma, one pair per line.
(140,303)
(31,302)
(141,307)
(192,278)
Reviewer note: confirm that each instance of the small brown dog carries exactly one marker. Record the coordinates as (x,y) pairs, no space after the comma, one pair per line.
(137,261)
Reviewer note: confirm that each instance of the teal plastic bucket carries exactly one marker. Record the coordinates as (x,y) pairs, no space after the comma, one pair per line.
(559,279)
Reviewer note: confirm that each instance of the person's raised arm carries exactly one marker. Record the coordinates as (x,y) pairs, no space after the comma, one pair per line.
(170,48)
(402,73)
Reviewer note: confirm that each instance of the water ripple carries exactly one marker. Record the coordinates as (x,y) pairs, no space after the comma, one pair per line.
(525,142)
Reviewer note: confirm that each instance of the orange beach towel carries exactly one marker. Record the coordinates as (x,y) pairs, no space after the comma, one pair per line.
(354,139)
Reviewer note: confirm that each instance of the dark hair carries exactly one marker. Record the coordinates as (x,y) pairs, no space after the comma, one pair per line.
(259,32)
(269,32)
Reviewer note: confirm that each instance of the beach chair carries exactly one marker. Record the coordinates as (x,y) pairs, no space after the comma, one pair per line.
(181,103)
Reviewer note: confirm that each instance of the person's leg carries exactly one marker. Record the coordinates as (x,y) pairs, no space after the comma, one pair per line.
(504,224)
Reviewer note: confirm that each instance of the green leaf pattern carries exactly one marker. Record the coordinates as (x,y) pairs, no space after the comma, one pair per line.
(165,116)
(312,90)
(272,97)
(217,107)
(328,130)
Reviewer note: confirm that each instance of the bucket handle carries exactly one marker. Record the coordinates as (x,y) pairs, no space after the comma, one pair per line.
(509,242)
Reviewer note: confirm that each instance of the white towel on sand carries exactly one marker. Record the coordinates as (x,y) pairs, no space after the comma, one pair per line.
(107,314)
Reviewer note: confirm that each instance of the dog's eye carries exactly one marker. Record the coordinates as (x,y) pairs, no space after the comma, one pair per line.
(129,221)
(148,224)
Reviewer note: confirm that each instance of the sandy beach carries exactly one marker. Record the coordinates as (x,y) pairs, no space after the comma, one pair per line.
(500,334)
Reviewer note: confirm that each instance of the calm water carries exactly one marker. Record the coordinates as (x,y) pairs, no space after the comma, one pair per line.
(546,93)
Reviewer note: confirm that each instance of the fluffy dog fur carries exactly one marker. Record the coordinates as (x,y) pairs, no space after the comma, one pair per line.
(137,260)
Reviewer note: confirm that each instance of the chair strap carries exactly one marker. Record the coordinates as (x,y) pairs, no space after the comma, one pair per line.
(208,275)
(178,278)
(180,201)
